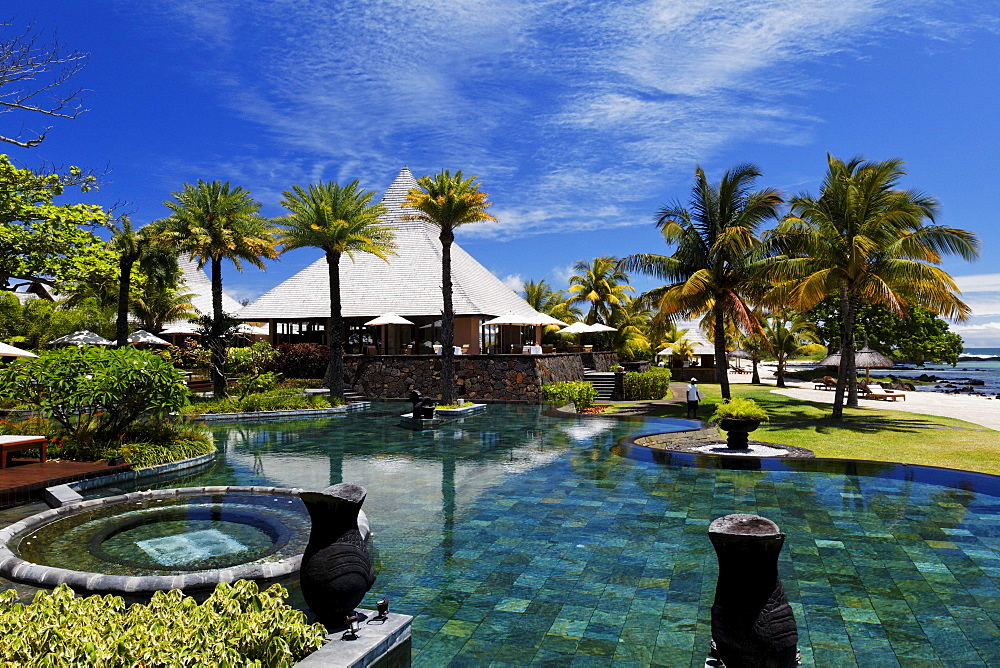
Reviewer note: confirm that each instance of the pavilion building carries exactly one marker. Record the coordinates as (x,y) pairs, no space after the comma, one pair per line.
(408,285)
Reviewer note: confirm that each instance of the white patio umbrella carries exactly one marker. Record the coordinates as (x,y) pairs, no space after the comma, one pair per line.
(81,338)
(598,327)
(577,328)
(142,336)
(388,319)
(512,318)
(11,351)
(385,320)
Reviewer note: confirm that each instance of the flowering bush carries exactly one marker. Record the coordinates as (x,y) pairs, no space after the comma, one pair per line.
(302,360)
(94,393)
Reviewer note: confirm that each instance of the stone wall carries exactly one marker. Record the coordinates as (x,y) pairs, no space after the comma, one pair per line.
(477,377)
(601,361)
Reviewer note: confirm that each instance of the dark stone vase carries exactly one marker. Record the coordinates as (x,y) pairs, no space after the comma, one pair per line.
(336,570)
(752,623)
(737,431)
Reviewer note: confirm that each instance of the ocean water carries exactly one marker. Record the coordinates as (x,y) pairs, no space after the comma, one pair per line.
(983,366)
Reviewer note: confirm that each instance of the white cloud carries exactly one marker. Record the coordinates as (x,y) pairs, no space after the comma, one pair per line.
(514,281)
(588,100)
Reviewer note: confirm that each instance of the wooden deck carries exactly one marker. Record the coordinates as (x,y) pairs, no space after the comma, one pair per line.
(26,479)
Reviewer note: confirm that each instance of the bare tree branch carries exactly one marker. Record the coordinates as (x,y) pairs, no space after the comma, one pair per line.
(31,71)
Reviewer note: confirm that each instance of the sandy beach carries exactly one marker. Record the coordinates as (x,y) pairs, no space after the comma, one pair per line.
(980,410)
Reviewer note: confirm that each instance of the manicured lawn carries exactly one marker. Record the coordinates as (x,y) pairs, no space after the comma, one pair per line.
(866,433)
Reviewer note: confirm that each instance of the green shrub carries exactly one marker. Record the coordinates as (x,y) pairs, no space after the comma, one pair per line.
(652,384)
(739,408)
(274,400)
(251,384)
(95,393)
(580,392)
(238,625)
(160,443)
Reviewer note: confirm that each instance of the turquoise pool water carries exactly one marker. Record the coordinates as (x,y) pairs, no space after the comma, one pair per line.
(516,538)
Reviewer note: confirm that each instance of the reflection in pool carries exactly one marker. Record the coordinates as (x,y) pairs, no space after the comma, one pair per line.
(520,538)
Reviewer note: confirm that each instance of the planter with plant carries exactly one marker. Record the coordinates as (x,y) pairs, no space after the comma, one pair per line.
(738,417)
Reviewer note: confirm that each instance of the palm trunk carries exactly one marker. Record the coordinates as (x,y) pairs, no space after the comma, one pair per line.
(334,378)
(447,321)
(216,343)
(755,377)
(719,334)
(847,358)
(846,336)
(779,373)
(121,323)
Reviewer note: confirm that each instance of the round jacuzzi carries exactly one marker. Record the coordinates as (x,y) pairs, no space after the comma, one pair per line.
(187,538)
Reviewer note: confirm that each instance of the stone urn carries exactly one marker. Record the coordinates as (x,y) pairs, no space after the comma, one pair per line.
(752,623)
(737,431)
(336,570)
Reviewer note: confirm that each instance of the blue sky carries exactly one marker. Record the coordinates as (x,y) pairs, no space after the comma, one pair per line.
(580,119)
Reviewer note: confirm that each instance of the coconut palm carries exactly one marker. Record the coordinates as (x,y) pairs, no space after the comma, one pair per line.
(342,221)
(710,273)
(631,320)
(602,283)
(541,297)
(213,221)
(155,306)
(788,335)
(448,201)
(865,239)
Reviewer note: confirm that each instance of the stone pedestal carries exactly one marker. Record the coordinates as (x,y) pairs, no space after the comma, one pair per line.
(336,570)
(752,623)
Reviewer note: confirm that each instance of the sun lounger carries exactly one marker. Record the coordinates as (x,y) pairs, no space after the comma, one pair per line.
(825,383)
(876,391)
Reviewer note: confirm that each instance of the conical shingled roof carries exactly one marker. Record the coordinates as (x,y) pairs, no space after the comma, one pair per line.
(408,285)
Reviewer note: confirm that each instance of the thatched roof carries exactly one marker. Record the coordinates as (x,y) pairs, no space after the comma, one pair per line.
(408,285)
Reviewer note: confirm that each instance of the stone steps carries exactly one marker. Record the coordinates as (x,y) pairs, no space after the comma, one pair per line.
(604,382)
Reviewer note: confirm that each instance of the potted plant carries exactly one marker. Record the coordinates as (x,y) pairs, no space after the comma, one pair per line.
(738,417)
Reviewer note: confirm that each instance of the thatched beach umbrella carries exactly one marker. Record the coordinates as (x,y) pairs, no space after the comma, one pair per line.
(866,359)
(739,354)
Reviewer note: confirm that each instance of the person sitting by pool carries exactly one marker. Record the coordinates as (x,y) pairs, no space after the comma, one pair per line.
(694,395)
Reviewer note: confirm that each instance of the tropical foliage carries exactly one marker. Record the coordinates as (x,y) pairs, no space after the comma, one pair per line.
(918,336)
(866,240)
(711,271)
(448,201)
(342,221)
(238,625)
(544,299)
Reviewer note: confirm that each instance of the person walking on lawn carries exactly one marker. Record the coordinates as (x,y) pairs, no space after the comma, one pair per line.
(694,395)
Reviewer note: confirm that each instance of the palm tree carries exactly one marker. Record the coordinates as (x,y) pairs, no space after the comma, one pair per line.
(711,273)
(448,201)
(342,221)
(788,335)
(156,306)
(864,239)
(631,319)
(602,283)
(212,222)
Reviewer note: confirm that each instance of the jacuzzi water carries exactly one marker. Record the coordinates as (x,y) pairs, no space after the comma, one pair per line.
(172,536)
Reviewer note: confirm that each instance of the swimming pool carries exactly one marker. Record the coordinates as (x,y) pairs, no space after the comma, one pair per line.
(518,538)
